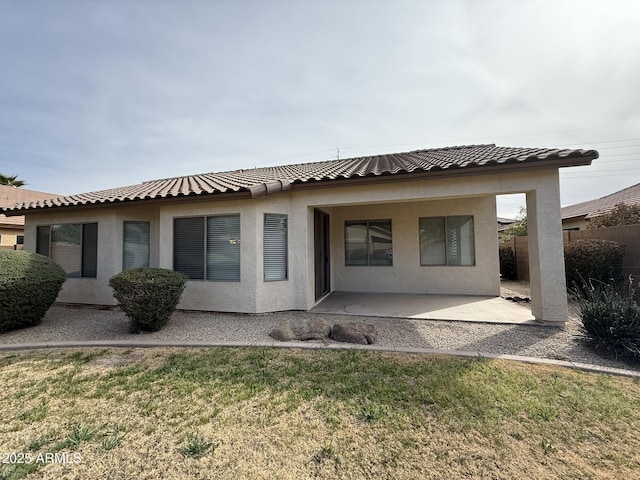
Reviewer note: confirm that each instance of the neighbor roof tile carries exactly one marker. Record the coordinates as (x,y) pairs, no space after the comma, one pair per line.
(600,206)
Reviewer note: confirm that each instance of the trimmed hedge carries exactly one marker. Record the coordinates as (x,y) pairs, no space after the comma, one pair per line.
(508,269)
(599,260)
(29,284)
(148,295)
(610,317)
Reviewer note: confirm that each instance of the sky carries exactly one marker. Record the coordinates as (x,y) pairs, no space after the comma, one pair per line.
(102,94)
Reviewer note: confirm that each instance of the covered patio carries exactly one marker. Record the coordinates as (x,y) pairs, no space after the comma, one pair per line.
(466,308)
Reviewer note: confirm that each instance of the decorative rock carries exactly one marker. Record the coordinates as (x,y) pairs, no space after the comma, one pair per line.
(301,329)
(519,299)
(360,333)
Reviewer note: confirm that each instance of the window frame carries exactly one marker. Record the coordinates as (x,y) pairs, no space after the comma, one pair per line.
(368,223)
(205,241)
(124,244)
(85,249)
(446,241)
(286,247)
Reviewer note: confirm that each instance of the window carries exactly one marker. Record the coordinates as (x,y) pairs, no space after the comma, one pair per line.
(447,241)
(275,247)
(73,246)
(207,247)
(368,242)
(135,245)
(19,239)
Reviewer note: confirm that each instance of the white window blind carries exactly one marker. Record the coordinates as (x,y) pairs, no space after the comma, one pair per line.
(208,247)
(447,241)
(275,247)
(223,248)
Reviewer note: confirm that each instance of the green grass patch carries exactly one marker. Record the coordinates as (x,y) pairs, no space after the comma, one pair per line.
(270,413)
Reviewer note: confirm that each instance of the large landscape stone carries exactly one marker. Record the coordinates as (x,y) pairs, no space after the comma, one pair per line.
(359,333)
(301,329)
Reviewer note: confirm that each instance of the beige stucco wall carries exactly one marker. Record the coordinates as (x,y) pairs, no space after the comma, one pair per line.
(291,293)
(546,254)
(578,223)
(406,274)
(251,293)
(83,290)
(109,262)
(401,201)
(8,236)
(449,188)
(207,295)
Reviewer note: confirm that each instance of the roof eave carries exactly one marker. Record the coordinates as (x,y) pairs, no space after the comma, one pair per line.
(240,195)
(279,186)
(457,172)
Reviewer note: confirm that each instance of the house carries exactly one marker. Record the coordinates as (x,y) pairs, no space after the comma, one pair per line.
(281,238)
(503,225)
(577,217)
(12,228)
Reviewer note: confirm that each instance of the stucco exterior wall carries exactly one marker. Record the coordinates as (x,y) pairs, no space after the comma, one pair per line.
(404,202)
(109,262)
(252,293)
(83,290)
(9,236)
(207,295)
(406,274)
(578,223)
(286,294)
(376,195)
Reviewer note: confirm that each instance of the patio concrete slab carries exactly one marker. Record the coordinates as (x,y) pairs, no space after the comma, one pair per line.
(470,308)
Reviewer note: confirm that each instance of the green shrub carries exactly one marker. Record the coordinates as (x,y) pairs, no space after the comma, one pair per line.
(508,269)
(600,260)
(29,284)
(148,295)
(610,317)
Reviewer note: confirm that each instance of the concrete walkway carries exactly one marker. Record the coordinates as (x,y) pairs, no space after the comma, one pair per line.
(466,308)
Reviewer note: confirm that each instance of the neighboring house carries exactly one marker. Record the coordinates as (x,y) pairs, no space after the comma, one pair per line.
(577,217)
(281,238)
(504,224)
(12,228)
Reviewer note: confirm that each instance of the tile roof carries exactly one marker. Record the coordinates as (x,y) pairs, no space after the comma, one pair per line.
(600,206)
(10,196)
(267,180)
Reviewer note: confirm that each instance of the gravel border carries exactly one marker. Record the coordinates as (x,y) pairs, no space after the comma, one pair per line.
(66,323)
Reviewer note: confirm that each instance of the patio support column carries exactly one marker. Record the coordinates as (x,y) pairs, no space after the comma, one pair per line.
(546,253)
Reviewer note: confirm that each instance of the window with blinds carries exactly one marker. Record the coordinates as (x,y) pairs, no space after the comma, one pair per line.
(207,248)
(275,247)
(135,245)
(223,248)
(447,241)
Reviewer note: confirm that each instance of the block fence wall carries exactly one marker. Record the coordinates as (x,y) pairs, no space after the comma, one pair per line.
(628,235)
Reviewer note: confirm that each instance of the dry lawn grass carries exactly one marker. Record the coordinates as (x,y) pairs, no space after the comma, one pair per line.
(262,413)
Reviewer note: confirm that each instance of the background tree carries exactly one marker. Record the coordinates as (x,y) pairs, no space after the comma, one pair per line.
(622,214)
(11,181)
(519,228)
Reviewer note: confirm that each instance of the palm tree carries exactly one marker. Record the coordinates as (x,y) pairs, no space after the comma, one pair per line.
(11,181)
